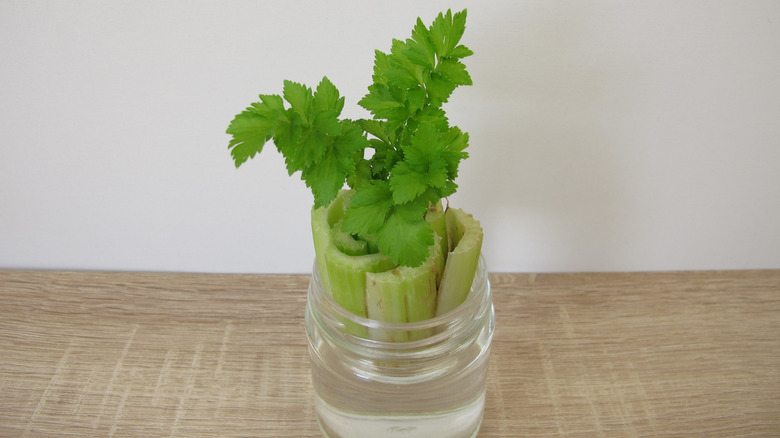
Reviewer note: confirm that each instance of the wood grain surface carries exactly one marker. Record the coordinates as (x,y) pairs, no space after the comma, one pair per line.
(205,355)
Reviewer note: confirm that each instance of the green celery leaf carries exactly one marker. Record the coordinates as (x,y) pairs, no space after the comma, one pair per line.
(437,174)
(311,148)
(439,32)
(416,98)
(349,146)
(250,132)
(425,155)
(448,190)
(446,32)
(405,236)
(375,128)
(457,29)
(455,139)
(427,138)
(404,76)
(287,137)
(382,104)
(300,98)
(398,52)
(325,179)
(414,210)
(434,115)
(439,88)
(253,127)
(326,98)
(419,49)
(455,71)
(361,176)
(369,209)
(425,145)
(403,73)
(460,52)
(381,66)
(455,143)
(327,174)
(269,104)
(431,196)
(406,183)
(327,122)
(384,158)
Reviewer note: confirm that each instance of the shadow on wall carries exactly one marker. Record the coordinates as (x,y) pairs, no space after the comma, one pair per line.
(541,143)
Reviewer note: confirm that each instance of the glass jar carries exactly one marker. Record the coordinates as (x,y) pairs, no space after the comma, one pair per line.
(429,387)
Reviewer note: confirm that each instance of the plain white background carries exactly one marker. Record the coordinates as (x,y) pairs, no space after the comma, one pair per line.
(605,136)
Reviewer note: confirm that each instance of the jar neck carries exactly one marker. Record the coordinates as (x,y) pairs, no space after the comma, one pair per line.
(364,335)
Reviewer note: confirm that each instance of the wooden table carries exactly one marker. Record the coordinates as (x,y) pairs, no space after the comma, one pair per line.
(196,355)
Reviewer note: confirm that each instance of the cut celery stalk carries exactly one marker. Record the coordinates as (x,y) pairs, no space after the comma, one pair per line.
(347,276)
(343,275)
(465,241)
(323,219)
(404,294)
(371,245)
(346,242)
(386,301)
(320,231)
(438,221)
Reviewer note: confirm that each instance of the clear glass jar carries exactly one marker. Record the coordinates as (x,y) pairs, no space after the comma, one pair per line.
(429,387)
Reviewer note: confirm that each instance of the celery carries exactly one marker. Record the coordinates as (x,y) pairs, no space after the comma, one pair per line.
(342,274)
(372,286)
(465,237)
(347,281)
(347,243)
(436,217)
(404,294)
(385,248)
(347,277)
(399,162)
(322,221)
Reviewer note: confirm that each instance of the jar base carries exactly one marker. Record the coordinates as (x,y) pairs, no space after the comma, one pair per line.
(463,422)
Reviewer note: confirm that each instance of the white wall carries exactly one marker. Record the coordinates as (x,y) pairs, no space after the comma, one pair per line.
(604,135)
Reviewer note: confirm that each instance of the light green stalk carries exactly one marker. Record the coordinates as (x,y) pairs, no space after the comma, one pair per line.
(404,294)
(323,220)
(438,221)
(347,243)
(465,242)
(343,275)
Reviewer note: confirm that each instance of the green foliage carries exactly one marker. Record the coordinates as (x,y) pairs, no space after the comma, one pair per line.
(308,133)
(415,153)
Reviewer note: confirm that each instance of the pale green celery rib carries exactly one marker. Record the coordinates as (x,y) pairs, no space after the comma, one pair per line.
(438,221)
(465,237)
(342,275)
(347,281)
(404,294)
(346,242)
(320,232)
(323,219)
(347,275)
(371,245)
